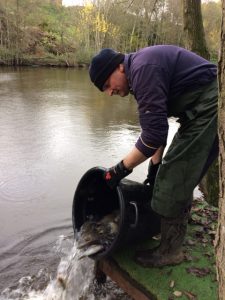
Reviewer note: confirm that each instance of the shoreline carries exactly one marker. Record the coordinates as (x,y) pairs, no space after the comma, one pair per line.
(43,62)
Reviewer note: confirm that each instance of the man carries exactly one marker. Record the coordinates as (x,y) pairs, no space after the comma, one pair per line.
(166,81)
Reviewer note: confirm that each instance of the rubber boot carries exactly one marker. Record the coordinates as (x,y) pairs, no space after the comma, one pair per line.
(169,252)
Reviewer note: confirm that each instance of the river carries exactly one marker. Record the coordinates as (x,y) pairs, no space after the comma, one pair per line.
(54,126)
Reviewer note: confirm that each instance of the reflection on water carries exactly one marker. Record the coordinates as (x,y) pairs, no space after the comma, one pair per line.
(54,126)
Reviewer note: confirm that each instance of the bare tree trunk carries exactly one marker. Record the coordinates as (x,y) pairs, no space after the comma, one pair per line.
(193,28)
(132,36)
(17,33)
(220,239)
(195,41)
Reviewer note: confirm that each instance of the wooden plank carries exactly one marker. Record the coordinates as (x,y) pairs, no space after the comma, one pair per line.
(109,267)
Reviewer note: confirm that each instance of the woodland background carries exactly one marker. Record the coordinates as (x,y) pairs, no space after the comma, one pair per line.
(45,32)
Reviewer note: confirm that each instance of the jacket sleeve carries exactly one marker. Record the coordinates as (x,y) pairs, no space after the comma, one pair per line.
(151,87)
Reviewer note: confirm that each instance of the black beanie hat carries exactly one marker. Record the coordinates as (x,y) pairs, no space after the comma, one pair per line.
(103,65)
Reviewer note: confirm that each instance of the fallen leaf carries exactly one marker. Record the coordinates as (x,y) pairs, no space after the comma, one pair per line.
(196,209)
(213,227)
(172,283)
(156,237)
(177,293)
(212,232)
(205,240)
(190,295)
(191,242)
(199,272)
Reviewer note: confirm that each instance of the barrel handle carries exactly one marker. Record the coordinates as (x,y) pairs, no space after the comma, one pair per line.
(136,214)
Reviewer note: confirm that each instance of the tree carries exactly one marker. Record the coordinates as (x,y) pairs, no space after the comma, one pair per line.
(193,28)
(220,239)
(195,41)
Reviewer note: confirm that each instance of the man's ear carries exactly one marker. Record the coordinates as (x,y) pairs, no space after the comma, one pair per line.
(121,68)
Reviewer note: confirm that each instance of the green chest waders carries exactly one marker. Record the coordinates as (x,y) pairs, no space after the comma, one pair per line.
(184,161)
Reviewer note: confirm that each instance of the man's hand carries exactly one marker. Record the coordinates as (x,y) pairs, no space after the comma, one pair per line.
(113,175)
(152,171)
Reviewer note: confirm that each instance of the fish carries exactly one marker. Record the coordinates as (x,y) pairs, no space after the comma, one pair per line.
(94,249)
(97,236)
(88,235)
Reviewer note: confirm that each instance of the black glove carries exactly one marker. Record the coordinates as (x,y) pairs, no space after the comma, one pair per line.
(152,171)
(113,175)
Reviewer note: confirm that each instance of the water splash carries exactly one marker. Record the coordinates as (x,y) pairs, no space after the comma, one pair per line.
(74,280)
(71,282)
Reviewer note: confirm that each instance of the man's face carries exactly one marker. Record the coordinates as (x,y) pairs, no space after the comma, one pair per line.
(117,83)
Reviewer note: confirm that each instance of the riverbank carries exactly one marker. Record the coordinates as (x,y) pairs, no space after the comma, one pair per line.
(194,279)
(50,60)
(45,61)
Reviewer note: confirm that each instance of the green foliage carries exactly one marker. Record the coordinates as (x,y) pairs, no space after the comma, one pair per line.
(39,27)
(6,55)
(83,56)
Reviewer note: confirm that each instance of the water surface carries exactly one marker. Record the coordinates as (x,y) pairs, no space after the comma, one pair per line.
(54,126)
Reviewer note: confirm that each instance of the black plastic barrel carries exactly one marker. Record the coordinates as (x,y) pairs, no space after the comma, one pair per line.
(93,198)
